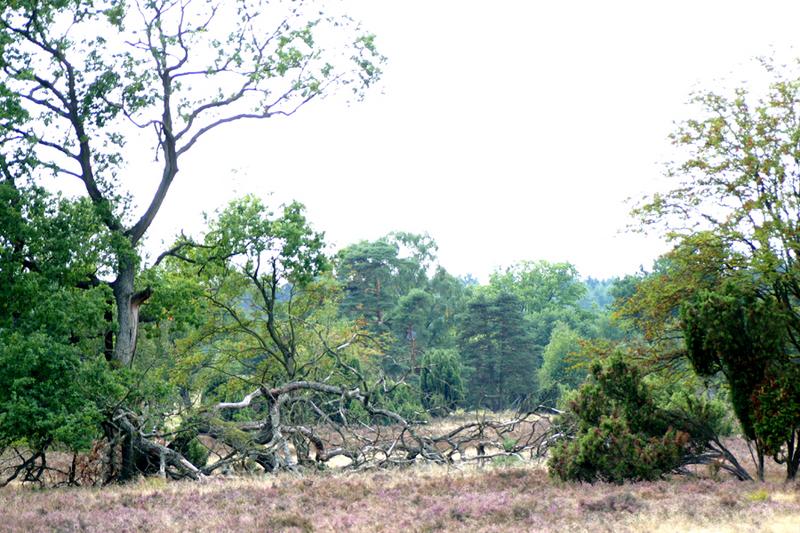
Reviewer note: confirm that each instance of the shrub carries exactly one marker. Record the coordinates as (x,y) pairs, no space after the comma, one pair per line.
(620,433)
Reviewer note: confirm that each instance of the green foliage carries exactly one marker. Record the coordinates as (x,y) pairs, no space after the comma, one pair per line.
(509,444)
(262,300)
(776,409)
(404,400)
(55,385)
(733,212)
(411,320)
(540,285)
(704,302)
(562,367)
(738,186)
(188,445)
(391,287)
(620,433)
(79,78)
(704,405)
(377,274)
(50,251)
(285,244)
(366,271)
(449,296)
(177,302)
(498,351)
(50,394)
(734,331)
(611,452)
(506,461)
(441,381)
(73,94)
(548,293)
(649,303)
(599,293)
(760,495)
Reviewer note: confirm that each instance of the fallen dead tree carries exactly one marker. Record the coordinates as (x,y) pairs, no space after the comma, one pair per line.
(308,424)
(276,444)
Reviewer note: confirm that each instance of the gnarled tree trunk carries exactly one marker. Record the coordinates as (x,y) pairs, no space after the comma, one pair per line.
(128,303)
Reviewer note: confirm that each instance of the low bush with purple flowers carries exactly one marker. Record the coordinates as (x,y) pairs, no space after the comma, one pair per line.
(519,498)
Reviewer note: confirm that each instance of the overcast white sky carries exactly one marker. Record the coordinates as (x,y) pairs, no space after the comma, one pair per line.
(508,130)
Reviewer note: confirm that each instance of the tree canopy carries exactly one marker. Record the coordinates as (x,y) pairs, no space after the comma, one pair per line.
(83,78)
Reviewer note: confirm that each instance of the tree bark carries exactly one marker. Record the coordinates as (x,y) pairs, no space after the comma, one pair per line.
(128,303)
(128,468)
(136,446)
(760,464)
(792,456)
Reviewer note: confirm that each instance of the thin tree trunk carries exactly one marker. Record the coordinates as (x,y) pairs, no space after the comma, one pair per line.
(758,458)
(792,456)
(73,467)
